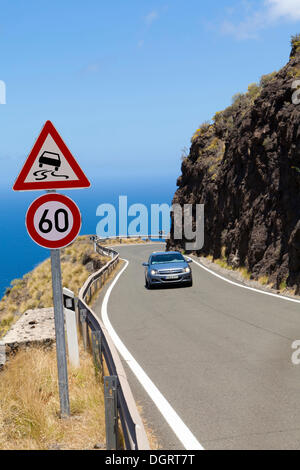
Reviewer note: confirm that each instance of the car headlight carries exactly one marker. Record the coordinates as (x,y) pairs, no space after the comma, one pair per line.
(187,270)
(153,272)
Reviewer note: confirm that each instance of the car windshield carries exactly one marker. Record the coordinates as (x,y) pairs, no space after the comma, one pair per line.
(167,258)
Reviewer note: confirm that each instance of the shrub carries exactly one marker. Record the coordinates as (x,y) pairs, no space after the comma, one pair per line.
(295,42)
(253,90)
(214,144)
(264,280)
(201,130)
(237,98)
(265,79)
(184,153)
(218,116)
(283,284)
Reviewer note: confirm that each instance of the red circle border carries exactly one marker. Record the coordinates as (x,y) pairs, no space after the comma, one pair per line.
(43,241)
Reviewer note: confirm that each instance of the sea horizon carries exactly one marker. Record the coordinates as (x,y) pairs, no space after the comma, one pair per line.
(21,255)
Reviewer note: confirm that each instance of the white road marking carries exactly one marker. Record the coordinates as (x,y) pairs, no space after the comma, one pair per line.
(245,287)
(183,433)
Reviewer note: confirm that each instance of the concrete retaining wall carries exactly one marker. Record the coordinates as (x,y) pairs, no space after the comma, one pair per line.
(34,327)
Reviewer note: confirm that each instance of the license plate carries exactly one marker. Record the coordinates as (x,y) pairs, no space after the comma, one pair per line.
(172,277)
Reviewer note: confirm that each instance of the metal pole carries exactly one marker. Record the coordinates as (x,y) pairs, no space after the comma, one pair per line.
(111,412)
(60,333)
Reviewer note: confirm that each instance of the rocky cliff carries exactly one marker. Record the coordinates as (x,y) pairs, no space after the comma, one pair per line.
(245,169)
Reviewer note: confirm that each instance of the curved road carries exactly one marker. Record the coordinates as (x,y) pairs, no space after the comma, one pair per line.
(220,355)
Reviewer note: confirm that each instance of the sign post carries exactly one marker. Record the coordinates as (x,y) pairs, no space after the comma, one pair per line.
(60,334)
(53,221)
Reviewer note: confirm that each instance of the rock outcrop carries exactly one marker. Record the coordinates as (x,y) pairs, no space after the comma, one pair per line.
(245,169)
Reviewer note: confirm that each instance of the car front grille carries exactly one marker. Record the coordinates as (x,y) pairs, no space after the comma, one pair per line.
(170,271)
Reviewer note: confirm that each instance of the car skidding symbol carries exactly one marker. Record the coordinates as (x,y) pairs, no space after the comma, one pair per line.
(50,158)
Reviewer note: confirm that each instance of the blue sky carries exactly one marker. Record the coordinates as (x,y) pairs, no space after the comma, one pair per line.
(126,83)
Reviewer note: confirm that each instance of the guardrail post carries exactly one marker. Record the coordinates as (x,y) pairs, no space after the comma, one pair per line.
(2,353)
(76,310)
(71,326)
(111,411)
(97,351)
(84,327)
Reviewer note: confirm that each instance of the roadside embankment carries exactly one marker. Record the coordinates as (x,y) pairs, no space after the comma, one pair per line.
(29,404)
(34,289)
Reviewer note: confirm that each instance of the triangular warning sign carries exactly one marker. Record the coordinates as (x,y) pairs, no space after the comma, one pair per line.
(50,165)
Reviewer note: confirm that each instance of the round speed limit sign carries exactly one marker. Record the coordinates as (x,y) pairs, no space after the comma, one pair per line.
(53,220)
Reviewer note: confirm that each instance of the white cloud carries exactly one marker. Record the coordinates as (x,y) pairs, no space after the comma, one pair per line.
(152,16)
(267,15)
(246,29)
(289,9)
(148,20)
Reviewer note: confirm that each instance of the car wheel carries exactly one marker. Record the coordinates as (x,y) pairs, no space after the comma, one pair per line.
(56,168)
(190,284)
(40,165)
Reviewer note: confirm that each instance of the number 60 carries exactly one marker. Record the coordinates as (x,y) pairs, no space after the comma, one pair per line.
(46,225)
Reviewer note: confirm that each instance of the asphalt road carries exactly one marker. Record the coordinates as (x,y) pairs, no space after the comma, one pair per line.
(220,355)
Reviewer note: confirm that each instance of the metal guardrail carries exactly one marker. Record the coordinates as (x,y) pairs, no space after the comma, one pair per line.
(160,236)
(94,332)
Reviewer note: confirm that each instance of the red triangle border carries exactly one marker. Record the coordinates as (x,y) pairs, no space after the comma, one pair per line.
(20,184)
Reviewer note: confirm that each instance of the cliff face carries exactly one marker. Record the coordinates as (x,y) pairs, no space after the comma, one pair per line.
(245,169)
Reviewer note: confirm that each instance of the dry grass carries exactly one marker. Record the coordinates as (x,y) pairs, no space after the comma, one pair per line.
(264,280)
(245,273)
(283,285)
(223,263)
(29,404)
(29,401)
(34,290)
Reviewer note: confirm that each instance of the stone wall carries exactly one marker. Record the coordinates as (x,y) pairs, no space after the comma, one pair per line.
(33,327)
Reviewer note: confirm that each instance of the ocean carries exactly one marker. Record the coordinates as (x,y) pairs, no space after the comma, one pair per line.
(19,254)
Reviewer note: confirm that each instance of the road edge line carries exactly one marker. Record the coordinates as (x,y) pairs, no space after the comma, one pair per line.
(180,429)
(245,287)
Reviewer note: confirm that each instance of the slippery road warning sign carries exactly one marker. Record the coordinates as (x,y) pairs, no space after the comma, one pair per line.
(50,165)
(53,220)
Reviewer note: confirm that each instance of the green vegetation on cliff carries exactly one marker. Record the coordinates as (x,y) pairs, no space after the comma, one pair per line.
(243,166)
